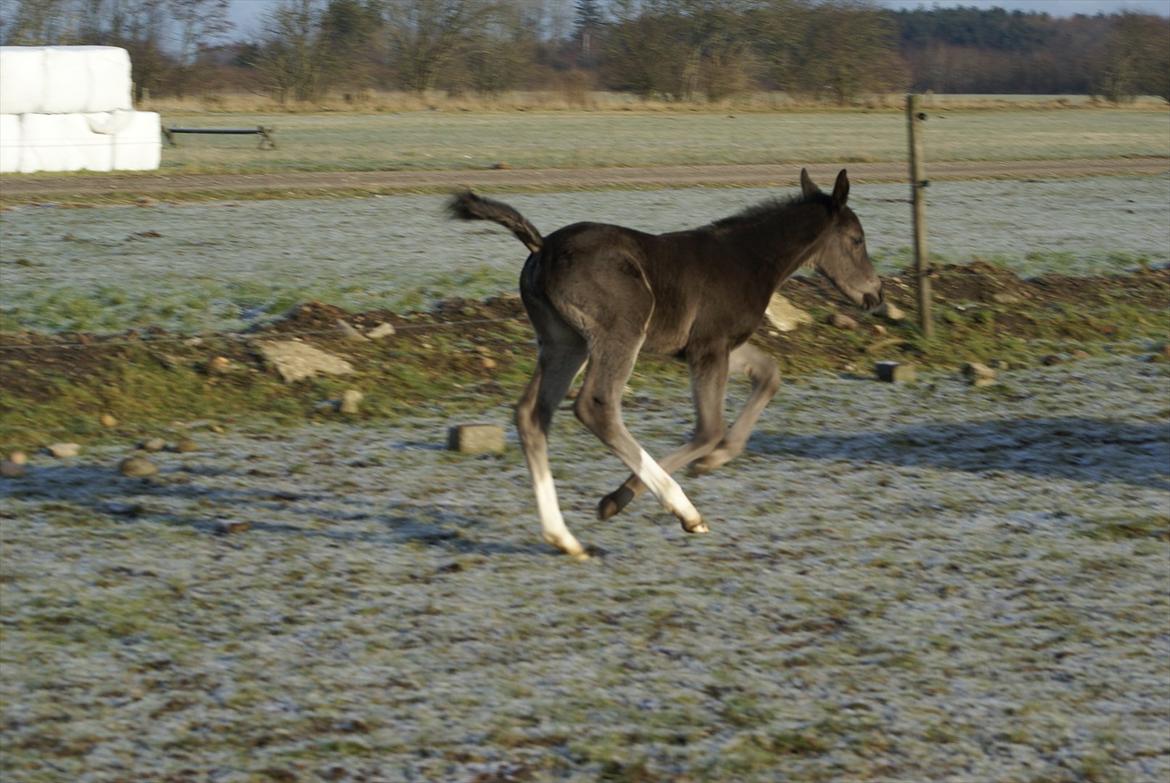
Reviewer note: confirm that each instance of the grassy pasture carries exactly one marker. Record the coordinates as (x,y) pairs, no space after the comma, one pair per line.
(429,140)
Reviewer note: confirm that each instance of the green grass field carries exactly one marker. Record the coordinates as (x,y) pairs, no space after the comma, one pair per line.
(473,140)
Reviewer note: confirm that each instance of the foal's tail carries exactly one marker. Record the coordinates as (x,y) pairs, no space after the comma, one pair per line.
(468,206)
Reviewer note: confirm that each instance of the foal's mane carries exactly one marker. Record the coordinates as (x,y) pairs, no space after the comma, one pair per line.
(768,210)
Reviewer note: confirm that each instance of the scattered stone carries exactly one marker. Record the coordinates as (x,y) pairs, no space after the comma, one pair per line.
(146,201)
(878,330)
(60,450)
(219,365)
(894,372)
(153,444)
(137,467)
(1005,298)
(350,400)
(11,469)
(228,527)
(978,374)
(890,311)
(842,321)
(1052,359)
(18,457)
(488,363)
(106,420)
(186,445)
(218,429)
(380,331)
(476,438)
(785,316)
(1080,355)
(501,165)
(350,332)
(295,361)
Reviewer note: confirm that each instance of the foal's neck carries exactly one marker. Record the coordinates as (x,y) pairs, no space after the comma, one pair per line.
(786,239)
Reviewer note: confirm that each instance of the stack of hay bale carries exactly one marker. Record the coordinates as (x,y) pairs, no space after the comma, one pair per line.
(67,108)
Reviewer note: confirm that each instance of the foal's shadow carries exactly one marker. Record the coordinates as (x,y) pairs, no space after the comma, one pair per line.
(177,497)
(1081,449)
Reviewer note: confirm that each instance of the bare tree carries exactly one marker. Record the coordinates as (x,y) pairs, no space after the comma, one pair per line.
(424,35)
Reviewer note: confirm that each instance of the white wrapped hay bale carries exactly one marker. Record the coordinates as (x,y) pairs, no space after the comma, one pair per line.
(63,142)
(22,79)
(138,140)
(9,143)
(109,79)
(67,80)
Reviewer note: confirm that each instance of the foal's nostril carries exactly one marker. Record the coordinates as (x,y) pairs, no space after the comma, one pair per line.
(871,301)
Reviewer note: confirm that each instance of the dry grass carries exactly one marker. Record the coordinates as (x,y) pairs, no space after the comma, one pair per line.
(570,99)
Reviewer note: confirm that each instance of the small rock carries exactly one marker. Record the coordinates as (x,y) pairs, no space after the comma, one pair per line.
(218,429)
(380,331)
(146,201)
(501,165)
(1005,298)
(488,363)
(979,374)
(350,332)
(894,372)
(228,527)
(1080,355)
(186,445)
(219,365)
(106,420)
(137,467)
(785,316)
(60,450)
(18,457)
(350,400)
(890,311)
(476,438)
(842,321)
(878,330)
(153,444)
(1051,359)
(10,469)
(296,361)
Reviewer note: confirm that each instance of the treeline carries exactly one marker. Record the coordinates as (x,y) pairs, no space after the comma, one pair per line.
(835,50)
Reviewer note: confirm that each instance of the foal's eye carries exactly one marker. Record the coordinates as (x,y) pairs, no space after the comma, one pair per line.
(858,241)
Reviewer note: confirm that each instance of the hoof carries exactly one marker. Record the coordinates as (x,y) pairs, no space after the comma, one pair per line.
(712,461)
(697,527)
(614,502)
(571,547)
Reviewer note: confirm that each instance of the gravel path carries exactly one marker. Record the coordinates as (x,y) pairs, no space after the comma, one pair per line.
(785,175)
(914,583)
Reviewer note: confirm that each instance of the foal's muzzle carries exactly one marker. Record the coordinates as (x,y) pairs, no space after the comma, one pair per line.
(872,301)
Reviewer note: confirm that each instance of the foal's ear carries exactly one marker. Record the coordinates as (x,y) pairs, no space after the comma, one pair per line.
(807,188)
(841,189)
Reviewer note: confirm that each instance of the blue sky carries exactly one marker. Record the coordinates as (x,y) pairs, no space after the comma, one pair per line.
(246,13)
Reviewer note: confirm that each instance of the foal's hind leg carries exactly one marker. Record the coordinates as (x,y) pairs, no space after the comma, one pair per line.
(765,378)
(557,364)
(598,407)
(709,371)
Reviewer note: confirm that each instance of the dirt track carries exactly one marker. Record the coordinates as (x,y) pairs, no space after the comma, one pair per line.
(557,179)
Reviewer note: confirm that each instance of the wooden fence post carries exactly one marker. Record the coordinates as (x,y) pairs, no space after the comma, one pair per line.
(918,182)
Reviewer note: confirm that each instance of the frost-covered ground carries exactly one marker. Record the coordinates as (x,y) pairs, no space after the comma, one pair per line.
(219,266)
(919,583)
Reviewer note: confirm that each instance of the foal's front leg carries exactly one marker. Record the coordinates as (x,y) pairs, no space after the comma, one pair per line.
(598,407)
(709,371)
(765,378)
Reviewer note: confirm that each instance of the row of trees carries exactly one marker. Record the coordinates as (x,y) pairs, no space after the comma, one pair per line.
(674,49)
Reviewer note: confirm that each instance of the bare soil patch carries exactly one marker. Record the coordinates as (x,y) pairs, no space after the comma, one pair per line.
(23,188)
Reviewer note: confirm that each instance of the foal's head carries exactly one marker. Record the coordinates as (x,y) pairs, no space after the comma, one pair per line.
(841,256)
